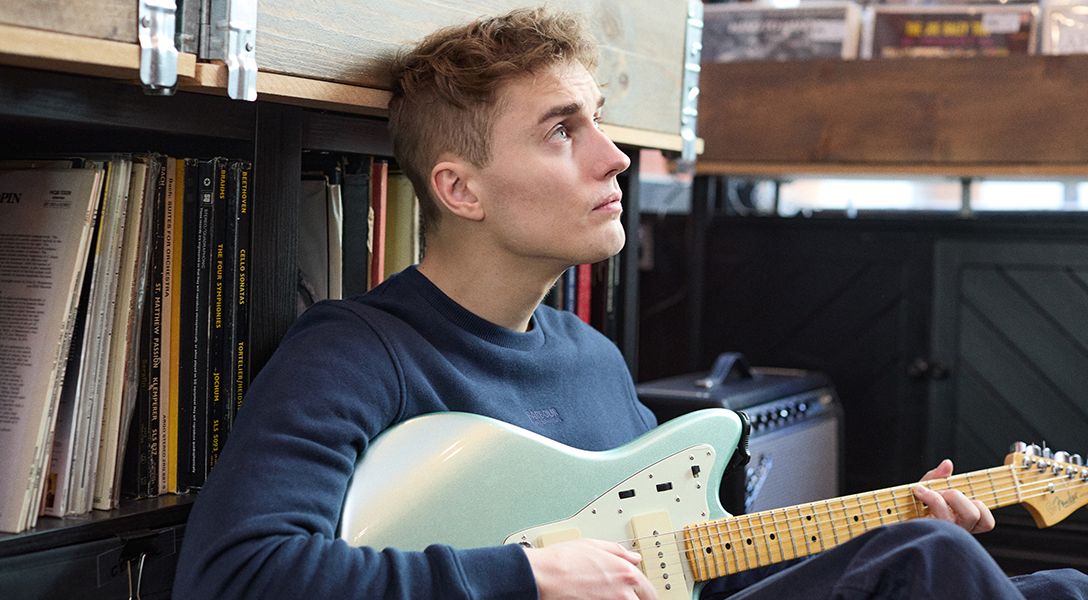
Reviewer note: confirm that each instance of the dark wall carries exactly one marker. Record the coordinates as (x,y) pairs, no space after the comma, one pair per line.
(853,298)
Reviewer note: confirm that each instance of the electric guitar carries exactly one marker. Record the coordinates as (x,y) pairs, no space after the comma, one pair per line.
(470,481)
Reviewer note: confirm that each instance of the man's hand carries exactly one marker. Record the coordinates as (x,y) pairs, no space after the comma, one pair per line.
(589,570)
(952,505)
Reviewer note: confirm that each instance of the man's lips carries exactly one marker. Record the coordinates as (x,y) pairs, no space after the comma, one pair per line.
(611,203)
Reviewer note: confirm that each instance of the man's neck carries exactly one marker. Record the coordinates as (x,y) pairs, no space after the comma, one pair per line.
(501,294)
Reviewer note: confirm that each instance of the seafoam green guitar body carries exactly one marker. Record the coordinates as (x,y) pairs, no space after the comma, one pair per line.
(470,481)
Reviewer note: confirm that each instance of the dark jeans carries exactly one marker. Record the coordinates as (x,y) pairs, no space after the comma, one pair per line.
(924,559)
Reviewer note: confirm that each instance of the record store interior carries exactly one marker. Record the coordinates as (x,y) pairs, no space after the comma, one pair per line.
(861,223)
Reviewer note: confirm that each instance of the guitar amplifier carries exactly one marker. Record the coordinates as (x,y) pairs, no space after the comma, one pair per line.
(796,436)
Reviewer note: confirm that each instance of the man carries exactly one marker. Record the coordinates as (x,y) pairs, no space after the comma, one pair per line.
(495,123)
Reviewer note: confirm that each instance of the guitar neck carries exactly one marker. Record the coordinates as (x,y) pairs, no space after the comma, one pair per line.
(748,541)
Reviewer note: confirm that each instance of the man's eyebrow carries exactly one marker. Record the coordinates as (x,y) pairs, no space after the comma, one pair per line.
(567,110)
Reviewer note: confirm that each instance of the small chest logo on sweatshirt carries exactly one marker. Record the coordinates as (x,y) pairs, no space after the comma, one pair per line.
(544,416)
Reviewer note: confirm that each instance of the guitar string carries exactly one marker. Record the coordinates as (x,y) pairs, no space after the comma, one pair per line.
(864,501)
(822,508)
(768,553)
(1026,491)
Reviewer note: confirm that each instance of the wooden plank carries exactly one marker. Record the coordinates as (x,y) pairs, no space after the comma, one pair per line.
(37,49)
(773,169)
(328,95)
(629,136)
(352,41)
(1019,110)
(299,91)
(102,19)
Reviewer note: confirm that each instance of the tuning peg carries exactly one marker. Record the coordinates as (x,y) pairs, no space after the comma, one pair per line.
(1018,447)
(1077,459)
(1034,450)
(1061,456)
(1046,451)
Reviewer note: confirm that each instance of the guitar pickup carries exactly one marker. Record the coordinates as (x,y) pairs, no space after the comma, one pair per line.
(625,494)
(664,487)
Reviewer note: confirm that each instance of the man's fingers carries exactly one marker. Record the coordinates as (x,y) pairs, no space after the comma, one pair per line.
(953,506)
(938,508)
(941,471)
(630,556)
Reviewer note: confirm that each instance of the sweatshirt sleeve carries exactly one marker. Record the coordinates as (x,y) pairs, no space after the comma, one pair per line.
(264,525)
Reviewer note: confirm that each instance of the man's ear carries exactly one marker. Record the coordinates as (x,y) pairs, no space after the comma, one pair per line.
(449,179)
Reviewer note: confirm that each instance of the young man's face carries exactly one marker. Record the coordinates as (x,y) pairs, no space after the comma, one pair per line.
(550,188)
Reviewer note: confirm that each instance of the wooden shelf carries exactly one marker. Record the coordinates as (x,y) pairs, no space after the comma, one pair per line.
(51,51)
(312,93)
(772,170)
(1022,116)
(133,515)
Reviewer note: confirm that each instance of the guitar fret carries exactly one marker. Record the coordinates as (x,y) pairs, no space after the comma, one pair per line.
(691,550)
(831,522)
(723,544)
(896,511)
(778,534)
(866,523)
(879,509)
(809,539)
(695,539)
(736,536)
(748,541)
(813,518)
(846,517)
(731,562)
(789,527)
(993,488)
(770,536)
(713,554)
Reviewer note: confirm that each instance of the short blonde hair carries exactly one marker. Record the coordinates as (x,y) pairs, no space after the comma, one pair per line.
(446,89)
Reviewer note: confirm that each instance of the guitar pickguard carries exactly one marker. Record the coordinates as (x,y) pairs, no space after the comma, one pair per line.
(631,513)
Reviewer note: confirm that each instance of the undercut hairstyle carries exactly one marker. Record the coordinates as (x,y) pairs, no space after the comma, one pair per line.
(446,90)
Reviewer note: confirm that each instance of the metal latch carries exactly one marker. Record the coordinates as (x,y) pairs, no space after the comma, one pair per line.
(689,103)
(232,38)
(158,54)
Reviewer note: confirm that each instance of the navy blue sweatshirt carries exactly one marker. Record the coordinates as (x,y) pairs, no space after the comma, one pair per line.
(264,526)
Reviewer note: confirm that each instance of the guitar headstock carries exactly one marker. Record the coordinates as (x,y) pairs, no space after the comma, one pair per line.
(1052,485)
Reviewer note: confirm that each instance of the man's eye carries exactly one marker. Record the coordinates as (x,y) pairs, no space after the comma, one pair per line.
(561,133)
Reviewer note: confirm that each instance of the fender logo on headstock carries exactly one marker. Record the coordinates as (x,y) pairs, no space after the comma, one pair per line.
(1052,485)
(1060,504)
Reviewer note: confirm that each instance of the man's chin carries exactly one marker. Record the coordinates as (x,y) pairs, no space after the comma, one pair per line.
(609,249)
